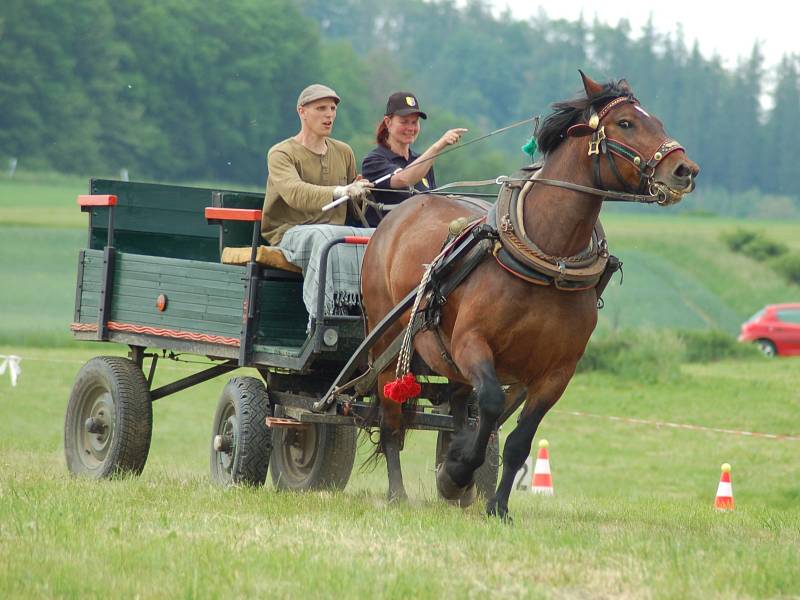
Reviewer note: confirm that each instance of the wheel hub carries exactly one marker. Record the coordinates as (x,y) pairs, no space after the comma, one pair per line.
(225,442)
(301,446)
(96,428)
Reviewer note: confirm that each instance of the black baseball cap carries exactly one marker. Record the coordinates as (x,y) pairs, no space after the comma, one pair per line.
(402,104)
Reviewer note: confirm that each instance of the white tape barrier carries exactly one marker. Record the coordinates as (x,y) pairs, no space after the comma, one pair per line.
(11,362)
(686,426)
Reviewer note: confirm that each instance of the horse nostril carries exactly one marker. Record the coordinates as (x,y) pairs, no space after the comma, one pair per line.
(682,171)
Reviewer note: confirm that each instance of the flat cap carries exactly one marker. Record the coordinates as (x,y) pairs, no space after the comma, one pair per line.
(316,91)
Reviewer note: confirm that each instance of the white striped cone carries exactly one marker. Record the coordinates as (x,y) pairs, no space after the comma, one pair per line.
(724,499)
(542,482)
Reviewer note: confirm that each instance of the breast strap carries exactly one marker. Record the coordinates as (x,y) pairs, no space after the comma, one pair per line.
(577,272)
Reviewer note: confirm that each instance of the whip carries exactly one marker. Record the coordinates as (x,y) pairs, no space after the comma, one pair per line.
(339,201)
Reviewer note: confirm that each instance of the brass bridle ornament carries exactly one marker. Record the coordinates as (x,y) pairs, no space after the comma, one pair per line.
(603,145)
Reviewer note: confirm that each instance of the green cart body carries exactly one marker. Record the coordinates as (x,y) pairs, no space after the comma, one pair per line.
(151,278)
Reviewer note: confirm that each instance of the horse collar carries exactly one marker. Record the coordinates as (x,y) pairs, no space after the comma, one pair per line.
(517,253)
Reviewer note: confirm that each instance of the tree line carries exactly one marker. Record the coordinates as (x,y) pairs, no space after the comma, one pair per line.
(193,90)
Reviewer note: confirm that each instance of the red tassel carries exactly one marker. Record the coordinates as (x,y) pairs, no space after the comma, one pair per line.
(402,389)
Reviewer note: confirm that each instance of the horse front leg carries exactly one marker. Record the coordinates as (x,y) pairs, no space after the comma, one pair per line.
(515,451)
(517,447)
(467,451)
(391,442)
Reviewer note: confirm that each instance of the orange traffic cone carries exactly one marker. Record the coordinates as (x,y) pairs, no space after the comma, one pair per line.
(542,480)
(724,499)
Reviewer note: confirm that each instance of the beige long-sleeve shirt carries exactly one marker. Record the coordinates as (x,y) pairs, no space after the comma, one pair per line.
(300,182)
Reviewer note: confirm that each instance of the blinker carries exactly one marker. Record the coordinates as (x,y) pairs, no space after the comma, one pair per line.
(580,130)
(584,129)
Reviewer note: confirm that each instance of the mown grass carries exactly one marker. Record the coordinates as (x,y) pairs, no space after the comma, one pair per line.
(632,515)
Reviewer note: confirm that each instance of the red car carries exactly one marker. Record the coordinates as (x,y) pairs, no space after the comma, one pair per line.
(775,328)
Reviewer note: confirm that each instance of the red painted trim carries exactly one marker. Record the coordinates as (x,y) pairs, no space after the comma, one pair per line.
(96,200)
(157,331)
(356,239)
(232,214)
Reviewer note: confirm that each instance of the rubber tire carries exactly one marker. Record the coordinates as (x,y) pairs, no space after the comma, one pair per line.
(767,348)
(330,465)
(485,475)
(244,406)
(119,381)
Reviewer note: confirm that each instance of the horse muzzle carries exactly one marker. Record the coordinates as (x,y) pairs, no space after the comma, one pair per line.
(667,195)
(680,181)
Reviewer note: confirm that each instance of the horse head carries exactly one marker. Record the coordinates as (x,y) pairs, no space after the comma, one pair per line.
(628,149)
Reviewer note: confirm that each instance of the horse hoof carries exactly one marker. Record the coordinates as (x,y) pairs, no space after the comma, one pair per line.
(469,496)
(452,492)
(397,498)
(494,509)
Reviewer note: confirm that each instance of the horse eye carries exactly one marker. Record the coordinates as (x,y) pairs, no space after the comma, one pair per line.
(625,124)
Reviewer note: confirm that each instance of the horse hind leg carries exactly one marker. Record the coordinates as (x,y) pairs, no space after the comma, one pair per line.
(467,452)
(391,442)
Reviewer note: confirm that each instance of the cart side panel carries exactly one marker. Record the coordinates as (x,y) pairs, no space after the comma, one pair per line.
(202,298)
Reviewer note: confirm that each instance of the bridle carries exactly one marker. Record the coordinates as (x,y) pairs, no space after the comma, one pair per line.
(601,145)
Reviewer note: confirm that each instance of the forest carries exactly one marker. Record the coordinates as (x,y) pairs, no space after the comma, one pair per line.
(186,90)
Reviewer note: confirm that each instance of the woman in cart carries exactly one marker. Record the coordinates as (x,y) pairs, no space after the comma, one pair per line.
(395,133)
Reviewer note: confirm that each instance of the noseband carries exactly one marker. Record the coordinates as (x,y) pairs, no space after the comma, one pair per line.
(602,145)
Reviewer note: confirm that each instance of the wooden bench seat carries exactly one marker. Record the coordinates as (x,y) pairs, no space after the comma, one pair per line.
(267,256)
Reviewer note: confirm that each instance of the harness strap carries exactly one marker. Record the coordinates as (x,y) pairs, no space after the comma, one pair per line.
(446,281)
(444,352)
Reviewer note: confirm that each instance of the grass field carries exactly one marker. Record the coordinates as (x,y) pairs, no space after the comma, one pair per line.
(632,516)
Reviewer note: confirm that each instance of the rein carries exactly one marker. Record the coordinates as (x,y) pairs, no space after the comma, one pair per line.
(648,191)
(655,196)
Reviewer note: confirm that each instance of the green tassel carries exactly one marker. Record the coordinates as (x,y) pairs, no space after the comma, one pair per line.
(530,147)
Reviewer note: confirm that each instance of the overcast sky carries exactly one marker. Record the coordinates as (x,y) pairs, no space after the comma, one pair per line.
(729,28)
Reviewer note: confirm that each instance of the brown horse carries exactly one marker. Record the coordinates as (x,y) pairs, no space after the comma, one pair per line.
(498,328)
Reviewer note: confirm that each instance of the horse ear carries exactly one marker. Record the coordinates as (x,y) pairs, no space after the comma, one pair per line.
(591,87)
(625,86)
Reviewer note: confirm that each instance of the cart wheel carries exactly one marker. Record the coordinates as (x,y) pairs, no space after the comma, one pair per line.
(109,419)
(241,442)
(314,456)
(486,474)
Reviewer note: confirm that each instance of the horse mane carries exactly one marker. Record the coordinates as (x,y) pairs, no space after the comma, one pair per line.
(569,112)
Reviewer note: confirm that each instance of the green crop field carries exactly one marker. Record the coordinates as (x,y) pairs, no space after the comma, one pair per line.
(633,512)
(677,272)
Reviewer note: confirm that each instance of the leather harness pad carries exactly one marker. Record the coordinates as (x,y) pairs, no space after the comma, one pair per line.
(518,254)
